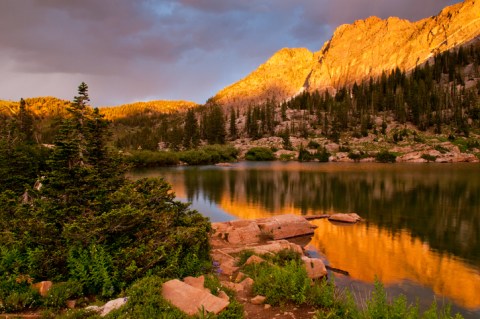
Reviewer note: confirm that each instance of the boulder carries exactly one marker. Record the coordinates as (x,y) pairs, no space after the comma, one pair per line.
(238,231)
(42,287)
(197,282)
(258,300)
(315,267)
(223,295)
(112,305)
(285,226)
(247,285)
(276,246)
(254,260)
(345,218)
(190,299)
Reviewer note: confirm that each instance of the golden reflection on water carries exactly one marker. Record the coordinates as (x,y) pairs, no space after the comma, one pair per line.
(366,251)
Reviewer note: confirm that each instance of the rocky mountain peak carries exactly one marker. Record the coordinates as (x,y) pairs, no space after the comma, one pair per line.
(355,53)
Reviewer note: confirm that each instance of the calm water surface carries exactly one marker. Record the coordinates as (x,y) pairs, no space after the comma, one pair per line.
(421,236)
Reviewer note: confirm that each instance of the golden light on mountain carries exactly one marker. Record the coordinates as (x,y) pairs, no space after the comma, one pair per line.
(357,52)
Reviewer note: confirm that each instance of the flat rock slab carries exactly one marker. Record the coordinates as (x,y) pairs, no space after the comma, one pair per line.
(276,246)
(351,218)
(190,299)
(285,226)
(243,232)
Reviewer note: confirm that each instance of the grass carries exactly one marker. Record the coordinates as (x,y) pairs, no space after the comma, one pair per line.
(283,279)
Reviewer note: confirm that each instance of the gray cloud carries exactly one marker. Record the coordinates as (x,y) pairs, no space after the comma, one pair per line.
(129,50)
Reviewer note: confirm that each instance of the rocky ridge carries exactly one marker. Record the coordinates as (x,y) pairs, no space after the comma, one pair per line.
(356,52)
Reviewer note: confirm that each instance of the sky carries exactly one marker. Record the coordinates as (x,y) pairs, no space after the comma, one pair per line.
(140,50)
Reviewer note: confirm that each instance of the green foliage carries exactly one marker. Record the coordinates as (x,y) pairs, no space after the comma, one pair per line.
(146,158)
(210,154)
(89,223)
(323,155)
(260,154)
(304,155)
(145,301)
(286,157)
(92,268)
(385,157)
(16,293)
(313,145)
(281,284)
(428,157)
(59,293)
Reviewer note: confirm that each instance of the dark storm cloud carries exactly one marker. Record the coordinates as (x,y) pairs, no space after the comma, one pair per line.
(130,50)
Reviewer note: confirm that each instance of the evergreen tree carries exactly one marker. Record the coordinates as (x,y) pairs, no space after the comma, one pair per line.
(191,134)
(233,125)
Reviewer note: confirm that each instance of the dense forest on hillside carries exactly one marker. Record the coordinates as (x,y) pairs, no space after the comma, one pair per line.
(443,96)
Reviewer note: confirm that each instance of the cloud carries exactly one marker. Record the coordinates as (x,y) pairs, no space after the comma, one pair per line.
(129,50)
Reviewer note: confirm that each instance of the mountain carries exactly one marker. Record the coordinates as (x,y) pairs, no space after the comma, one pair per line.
(356,52)
(137,108)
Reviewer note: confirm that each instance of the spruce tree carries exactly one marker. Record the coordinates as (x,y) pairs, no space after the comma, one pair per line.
(191,134)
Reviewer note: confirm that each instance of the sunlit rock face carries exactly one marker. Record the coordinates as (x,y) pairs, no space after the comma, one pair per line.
(282,76)
(356,52)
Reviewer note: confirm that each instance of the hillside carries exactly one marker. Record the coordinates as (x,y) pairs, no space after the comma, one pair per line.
(157,106)
(356,52)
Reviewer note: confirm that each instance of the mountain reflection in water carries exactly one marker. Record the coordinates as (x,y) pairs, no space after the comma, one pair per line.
(422,220)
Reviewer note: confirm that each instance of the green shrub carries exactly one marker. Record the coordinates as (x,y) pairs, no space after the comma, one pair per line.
(428,157)
(385,157)
(323,155)
(286,157)
(92,268)
(313,145)
(259,154)
(16,293)
(280,284)
(146,158)
(20,300)
(304,155)
(355,156)
(441,149)
(210,154)
(61,292)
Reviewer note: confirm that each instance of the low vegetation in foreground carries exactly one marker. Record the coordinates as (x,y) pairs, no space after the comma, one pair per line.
(282,279)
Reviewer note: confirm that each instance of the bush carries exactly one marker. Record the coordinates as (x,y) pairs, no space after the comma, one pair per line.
(286,157)
(145,301)
(210,154)
(313,145)
(323,155)
(386,157)
(147,158)
(304,155)
(260,154)
(61,292)
(428,157)
(280,284)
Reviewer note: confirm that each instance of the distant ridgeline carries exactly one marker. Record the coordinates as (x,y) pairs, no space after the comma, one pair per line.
(443,95)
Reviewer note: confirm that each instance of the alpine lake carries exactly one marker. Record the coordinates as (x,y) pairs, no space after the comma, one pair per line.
(421,231)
